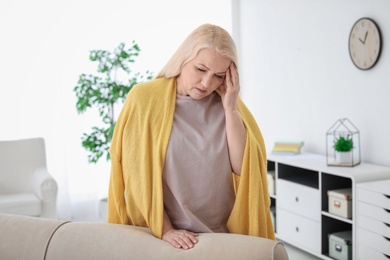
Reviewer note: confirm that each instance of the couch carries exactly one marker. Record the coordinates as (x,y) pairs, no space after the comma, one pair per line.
(24,237)
(26,186)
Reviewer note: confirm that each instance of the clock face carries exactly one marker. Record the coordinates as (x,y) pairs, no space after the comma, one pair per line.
(365,43)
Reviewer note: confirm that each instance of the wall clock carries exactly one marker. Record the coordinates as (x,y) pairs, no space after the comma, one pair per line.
(365,43)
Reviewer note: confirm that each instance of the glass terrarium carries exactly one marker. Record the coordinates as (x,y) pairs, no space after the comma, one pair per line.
(343,144)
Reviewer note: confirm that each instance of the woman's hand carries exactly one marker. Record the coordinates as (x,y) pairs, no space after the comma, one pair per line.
(180,238)
(235,130)
(230,89)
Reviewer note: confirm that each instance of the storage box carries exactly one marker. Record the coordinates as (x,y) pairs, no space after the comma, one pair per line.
(340,202)
(340,245)
(273,216)
(271,182)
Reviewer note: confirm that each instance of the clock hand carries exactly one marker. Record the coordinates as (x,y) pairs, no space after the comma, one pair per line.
(365,38)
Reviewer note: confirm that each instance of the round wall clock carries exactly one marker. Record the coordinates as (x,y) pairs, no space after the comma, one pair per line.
(365,43)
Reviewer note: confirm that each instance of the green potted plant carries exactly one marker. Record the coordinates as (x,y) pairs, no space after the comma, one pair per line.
(114,79)
(104,90)
(343,146)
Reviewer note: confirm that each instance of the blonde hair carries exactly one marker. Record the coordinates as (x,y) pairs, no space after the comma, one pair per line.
(205,36)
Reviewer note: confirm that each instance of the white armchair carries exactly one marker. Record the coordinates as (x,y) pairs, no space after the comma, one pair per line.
(26,187)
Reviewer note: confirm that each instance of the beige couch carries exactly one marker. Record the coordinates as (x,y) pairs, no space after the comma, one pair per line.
(23,237)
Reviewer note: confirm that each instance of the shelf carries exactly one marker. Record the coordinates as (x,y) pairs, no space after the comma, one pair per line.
(330,225)
(295,178)
(298,175)
(330,215)
(332,182)
(310,182)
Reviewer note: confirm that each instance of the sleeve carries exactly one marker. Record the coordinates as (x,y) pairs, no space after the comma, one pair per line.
(251,211)
(116,200)
(138,148)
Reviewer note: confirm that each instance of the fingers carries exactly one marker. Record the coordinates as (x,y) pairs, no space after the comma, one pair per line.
(222,87)
(232,79)
(234,76)
(181,238)
(230,89)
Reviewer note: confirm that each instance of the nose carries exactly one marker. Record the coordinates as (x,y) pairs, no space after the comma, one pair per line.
(206,82)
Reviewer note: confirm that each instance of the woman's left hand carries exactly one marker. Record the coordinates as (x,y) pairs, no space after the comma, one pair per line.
(235,129)
(230,89)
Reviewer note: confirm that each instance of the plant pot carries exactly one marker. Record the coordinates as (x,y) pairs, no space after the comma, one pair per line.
(344,157)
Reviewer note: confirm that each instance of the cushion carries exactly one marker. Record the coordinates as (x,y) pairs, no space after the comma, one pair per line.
(20,204)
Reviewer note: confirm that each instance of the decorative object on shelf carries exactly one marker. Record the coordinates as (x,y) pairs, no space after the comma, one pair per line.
(365,43)
(343,144)
(340,202)
(287,147)
(271,182)
(340,245)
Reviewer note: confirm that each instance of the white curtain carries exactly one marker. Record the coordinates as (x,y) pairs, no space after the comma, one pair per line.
(45,46)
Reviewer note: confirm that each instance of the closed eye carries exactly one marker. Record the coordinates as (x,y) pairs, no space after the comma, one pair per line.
(218,76)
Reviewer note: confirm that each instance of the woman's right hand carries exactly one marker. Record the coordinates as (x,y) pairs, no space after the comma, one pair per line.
(180,238)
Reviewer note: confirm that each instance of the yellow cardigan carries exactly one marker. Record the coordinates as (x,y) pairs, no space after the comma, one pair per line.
(138,152)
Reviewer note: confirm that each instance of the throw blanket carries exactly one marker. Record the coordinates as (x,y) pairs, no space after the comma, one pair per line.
(138,152)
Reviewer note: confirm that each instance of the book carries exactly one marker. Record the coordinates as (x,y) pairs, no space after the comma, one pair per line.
(288,147)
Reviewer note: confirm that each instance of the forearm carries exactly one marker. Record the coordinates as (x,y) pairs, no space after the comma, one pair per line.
(167,225)
(236,138)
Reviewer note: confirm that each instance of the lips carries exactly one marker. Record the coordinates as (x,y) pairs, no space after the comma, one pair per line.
(201,91)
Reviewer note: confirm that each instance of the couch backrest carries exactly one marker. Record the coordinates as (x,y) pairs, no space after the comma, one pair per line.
(18,161)
(101,241)
(23,237)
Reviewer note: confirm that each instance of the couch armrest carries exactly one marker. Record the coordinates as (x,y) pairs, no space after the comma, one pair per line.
(45,187)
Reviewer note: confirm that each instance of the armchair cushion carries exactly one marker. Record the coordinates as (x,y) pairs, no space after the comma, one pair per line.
(20,203)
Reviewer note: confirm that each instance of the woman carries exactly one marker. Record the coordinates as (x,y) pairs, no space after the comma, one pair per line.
(187,155)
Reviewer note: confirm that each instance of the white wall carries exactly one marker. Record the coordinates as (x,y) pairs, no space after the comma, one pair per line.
(298,79)
(45,46)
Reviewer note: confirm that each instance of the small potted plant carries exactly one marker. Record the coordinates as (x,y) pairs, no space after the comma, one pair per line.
(343,146)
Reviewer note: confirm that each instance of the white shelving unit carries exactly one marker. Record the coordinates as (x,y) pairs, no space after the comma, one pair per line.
(301,200)
(373,220)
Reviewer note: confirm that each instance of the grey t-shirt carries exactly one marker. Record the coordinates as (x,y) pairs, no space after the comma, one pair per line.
(197,176)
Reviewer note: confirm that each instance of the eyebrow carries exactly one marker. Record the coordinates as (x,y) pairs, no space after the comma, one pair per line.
(219,73)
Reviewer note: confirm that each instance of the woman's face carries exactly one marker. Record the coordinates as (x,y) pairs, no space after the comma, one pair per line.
(203,75)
